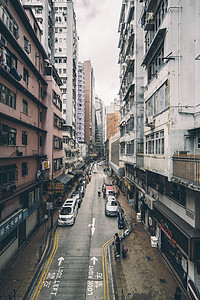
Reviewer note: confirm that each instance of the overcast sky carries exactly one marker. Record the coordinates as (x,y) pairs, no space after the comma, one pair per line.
(97,27)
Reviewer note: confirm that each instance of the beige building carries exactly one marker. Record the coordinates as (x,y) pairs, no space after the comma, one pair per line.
(89,103)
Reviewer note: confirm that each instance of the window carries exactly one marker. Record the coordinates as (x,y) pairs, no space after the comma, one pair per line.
(40,141)
(31,199)
(25,107)
(27,46)
(130,148)
(24,169)
(7,135)
(24,137)
(37,194)
(25,75)
(155,143)
(8,174)
(7,97)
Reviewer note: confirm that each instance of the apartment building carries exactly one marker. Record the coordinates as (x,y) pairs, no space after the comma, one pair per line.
(81,103)
(89,103)
(44,13)
(99,125)
(165,181)
(112,118)
(66,63)
(29,123)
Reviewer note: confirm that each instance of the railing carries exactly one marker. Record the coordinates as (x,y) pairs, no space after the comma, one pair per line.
(187,167)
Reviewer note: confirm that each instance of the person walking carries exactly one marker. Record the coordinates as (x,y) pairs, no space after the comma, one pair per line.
(117,244)
(177,295)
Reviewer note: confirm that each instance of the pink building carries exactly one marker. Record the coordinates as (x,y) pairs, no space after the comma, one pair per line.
(30,127)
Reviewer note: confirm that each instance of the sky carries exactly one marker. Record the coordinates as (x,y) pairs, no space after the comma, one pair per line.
(97,27)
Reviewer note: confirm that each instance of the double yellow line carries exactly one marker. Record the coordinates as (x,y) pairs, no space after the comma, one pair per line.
(46,270)
(105,270)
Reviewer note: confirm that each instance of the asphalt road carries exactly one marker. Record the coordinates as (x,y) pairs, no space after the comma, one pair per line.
(74,268)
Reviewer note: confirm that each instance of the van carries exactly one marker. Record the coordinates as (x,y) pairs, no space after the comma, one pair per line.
(68,212)
(110,190)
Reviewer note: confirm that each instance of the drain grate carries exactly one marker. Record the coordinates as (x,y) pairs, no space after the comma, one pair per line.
(162,280)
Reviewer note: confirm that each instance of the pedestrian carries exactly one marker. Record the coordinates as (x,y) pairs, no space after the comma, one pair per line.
(117,244)
(177,295)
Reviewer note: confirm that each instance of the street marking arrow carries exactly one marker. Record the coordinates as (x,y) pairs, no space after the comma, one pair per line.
(60,259)
(92,226)
(94,259)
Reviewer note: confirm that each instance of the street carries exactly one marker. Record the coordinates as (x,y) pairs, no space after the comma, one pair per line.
(74,268)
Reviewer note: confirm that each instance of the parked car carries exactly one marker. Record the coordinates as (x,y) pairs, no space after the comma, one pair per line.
(77,194)
(111,206)
(68,213)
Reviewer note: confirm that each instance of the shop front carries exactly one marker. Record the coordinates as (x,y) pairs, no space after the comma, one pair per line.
(176,240)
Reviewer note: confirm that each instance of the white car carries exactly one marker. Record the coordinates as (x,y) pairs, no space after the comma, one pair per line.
(111,206)
(68,213)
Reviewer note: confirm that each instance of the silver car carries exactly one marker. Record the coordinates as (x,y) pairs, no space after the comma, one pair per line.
(111,207)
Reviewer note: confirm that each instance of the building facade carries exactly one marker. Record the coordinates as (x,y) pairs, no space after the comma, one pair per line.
(112,118)
(81,103)
(27,155)
(163,179)
(99,125)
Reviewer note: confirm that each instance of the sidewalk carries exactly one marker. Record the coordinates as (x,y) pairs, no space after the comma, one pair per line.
(143,274)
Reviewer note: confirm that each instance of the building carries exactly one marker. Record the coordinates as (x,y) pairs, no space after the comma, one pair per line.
(30,122)
(89,103)
(99,125)
(44,13)
(164,181)
(81,103)
(66,63)
(112,118)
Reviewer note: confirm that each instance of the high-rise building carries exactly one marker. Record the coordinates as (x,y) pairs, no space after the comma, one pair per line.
(44,13)
(164,179)
(112,118)
(89,103)
(66,63)
(81,103)
(99,125)
(30,128)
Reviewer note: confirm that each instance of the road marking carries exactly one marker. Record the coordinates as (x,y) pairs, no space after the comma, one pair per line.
(104,266)
(60,259)
(44,273)
(94,259)
(92,226)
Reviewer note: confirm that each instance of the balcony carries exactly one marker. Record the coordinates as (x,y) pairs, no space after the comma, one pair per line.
(187,167)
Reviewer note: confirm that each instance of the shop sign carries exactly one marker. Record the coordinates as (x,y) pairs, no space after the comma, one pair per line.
(45,165)
(9,225)
(57,186)
(167,231)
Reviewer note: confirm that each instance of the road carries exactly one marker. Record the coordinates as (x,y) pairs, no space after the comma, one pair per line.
(74,268)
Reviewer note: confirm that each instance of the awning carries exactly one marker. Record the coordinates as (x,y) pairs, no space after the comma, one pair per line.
(154,45)
(183,226)
(72,172)
(63,178)
(119,171)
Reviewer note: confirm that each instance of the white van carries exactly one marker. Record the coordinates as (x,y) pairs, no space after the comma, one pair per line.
(68,212)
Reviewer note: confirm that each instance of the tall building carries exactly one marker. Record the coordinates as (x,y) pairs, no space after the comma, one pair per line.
(99,125)
(89,103)
(112,118)
(30,127)
(44,13)
(164,180)
(66,51)
(81,103)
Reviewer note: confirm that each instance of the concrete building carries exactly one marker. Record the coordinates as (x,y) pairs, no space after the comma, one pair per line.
(89,103)
(99,125)
(30,123)
(81,103)
(164,181)
(44,13)
(66,63)
(112,118)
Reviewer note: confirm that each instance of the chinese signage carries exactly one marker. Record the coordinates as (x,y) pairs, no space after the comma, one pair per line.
(166,230)
(45,165)
(8,226)
(57,186)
